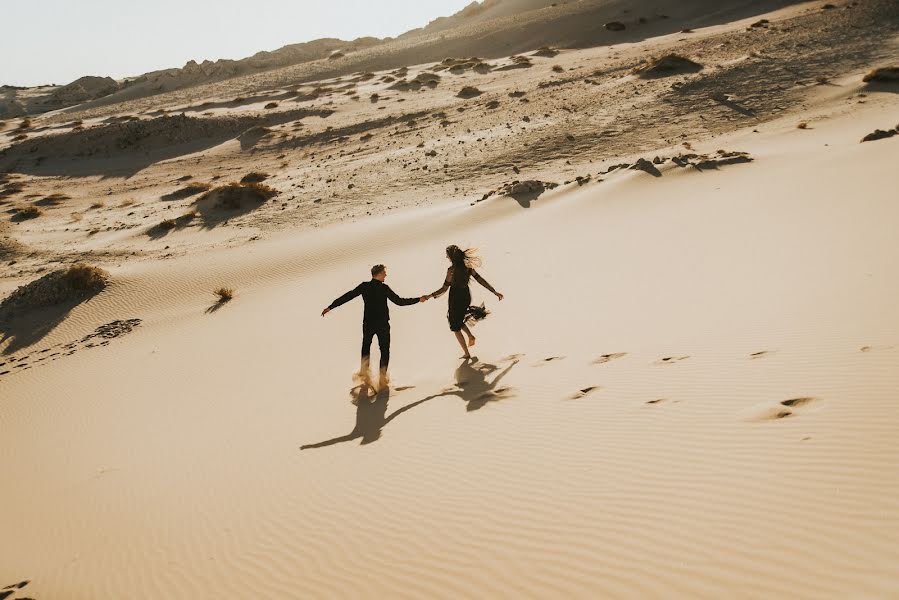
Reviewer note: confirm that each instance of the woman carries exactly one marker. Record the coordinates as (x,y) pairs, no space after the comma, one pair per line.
(461,270)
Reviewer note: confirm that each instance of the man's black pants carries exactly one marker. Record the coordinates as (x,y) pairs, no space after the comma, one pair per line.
(369,331)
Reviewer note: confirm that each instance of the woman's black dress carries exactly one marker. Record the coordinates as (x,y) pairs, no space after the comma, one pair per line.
(459,304)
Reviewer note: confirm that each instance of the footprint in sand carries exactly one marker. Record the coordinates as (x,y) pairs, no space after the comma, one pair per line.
(609,357)
(11,589)
(584,392)
(780,410)
(549,359)
(669,360)
(760,354)
(875,348)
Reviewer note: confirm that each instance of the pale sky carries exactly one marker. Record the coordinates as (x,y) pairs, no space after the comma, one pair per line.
(57,41)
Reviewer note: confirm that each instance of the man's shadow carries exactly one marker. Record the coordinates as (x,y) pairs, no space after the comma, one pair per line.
(371,417)
(473,387)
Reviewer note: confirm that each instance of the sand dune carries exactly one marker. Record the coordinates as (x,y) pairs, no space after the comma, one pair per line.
(687,392)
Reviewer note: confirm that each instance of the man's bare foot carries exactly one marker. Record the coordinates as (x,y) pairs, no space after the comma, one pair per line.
(471,341)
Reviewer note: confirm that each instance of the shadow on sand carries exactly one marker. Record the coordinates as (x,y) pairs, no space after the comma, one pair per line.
(371,418)
(472,386)
(28,329)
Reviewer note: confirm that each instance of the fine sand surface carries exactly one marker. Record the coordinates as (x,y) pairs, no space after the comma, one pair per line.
(689,391)
(742,444)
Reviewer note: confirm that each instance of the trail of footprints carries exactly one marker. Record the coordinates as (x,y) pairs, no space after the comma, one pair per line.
(780,410)
(101,336)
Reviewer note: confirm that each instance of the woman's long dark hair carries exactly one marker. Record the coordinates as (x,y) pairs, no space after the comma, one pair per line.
(463,261)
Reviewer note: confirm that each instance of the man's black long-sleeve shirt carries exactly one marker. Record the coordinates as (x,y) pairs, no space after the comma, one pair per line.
(375,294)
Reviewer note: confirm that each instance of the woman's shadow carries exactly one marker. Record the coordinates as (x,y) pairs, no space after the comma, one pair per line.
(473,386)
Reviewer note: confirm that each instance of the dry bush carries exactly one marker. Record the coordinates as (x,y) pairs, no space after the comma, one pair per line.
(224,294)
(232,195)
(20,137)
(74,284)
(97,205)
(255,177)
(167,225)
(271,105)
(2,125)
(558,69)
(188,217)
(802,125)
(82,277)
(469,92)
(128,202)
(669,64)
(25,124)
(883,75)
(29,212)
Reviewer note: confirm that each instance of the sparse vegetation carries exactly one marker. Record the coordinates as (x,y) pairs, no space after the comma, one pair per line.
(28,212)
(254,177)
(224,294)
(271,105)
(669,64)
(233,195)
(882,75)
(188,216)
(167,225)
(469,92)
(25,124)
(97,205)
(73,284)
(20,137)
(802,125)
(558,69)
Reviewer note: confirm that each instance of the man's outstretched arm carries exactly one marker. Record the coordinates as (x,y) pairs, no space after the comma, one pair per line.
(344,299)
(401,301)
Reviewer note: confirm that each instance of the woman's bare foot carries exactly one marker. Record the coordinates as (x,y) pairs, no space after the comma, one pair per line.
(471,341)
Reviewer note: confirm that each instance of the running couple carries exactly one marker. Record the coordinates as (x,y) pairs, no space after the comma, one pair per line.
(376,319)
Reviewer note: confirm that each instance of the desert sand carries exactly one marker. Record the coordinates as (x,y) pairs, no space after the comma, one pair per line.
(689,390)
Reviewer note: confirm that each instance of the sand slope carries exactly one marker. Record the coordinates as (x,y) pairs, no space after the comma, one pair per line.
(689,391)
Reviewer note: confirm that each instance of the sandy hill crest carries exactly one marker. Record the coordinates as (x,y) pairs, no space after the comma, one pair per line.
(491,29)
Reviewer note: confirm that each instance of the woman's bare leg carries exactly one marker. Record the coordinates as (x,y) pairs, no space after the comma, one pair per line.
(471,338)
(461,340)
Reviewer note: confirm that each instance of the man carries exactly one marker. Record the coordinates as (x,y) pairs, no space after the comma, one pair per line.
(376,319)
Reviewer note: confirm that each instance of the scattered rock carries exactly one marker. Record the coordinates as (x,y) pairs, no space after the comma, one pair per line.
(646,166)
(615,26)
